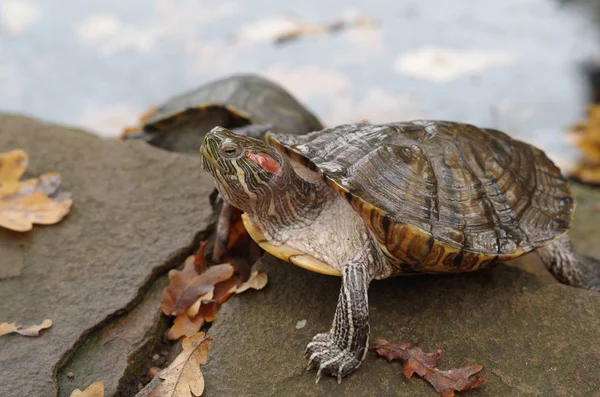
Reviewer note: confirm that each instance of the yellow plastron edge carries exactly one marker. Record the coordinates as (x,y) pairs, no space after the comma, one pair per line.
(287,253)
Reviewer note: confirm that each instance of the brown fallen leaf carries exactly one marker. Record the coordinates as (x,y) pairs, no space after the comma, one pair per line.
(185,325)
(414,360)
(190,322)
(183,378)
(24,203)
(96,389)
(34,330)
(257,280)
(183,291)
(196,293)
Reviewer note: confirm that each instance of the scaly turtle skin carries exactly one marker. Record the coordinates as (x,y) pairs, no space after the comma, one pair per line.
(234,102)
(247,103)
(373,201)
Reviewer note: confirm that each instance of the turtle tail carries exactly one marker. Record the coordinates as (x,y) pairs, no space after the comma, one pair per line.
(569,267)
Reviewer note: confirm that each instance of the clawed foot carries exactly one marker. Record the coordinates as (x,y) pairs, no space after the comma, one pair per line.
(323,353)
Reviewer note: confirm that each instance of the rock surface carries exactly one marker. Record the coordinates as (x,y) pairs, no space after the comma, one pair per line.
(137,211)
(533,336)
(119,352)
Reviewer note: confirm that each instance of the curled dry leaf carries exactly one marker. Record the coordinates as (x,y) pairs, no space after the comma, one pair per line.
(257,280)
(34,330)
(185,325)
(183,378)
(188,285)
(190,322)
(196,293)
(24,203)
(414,360)
(96,389)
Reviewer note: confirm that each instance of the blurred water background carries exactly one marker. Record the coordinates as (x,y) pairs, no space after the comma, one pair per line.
(512,65)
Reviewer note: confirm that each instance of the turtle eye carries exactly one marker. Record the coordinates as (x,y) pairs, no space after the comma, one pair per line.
(231,150)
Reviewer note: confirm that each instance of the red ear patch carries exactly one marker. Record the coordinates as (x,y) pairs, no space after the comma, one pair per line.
(266,162)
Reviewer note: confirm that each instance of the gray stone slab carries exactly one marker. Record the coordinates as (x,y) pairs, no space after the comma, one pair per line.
(119,353)
(533,336)
(137,210)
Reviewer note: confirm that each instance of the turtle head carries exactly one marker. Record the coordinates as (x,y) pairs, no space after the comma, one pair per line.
(246,170)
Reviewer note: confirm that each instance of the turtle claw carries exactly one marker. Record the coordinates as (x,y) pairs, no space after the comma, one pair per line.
(325,354)
(318,375)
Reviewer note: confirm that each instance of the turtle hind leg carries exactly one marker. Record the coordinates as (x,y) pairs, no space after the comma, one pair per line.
(569,267)
(341,350)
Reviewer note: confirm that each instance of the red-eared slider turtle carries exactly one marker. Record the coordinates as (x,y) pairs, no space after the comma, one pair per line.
(238,102)
(372,201)
(247,103)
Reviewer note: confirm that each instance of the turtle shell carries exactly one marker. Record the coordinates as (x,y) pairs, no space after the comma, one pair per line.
(235,101)
(440,196)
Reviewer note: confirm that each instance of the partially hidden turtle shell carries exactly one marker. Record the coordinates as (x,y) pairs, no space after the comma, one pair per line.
(235,101)
(440,196)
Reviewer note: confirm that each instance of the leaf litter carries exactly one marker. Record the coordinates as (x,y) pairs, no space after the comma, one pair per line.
(34,330)
(414,360)
(195,293)
(184,378)
(32,201)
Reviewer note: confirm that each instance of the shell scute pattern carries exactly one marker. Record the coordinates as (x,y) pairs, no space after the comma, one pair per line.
(441,196)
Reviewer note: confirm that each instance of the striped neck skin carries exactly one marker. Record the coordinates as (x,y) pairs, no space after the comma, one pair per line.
(292,205)
(256,178)
(278,203)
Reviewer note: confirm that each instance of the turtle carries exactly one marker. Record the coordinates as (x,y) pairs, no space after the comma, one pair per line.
(247,103)
(371,201)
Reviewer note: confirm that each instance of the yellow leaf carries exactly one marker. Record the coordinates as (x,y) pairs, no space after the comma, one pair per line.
(12,166)
(183,378)
(23,203)
(34,330)
(96,389)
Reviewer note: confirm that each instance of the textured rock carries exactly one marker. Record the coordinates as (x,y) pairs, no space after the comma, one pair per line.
(137,211)
(533,336)
(118,353)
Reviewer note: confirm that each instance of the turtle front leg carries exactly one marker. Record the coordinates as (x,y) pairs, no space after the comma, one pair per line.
(222,232)
(341,350)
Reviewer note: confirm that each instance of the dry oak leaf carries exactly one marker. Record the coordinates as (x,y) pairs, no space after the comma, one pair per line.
(183,378)
(258,279)
(187,285)
(23,203)
(414,360)
(190,322)
(185,326)
(34,330)
(182,297)
(96,389)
